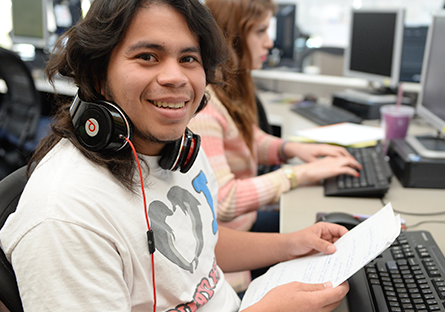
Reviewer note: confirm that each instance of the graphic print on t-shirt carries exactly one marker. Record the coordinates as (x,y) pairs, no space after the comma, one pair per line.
(200,185)
(189,205)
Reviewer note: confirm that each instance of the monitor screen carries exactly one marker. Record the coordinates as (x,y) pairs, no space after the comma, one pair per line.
(414,39)
(375,45)
(67,14)
(30,22)
(431,99)
(285,28)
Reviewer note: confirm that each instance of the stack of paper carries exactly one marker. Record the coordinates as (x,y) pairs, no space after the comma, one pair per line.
(345,134)
(355,249)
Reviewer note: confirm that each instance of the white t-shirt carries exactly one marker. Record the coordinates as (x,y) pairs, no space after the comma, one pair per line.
(78,241)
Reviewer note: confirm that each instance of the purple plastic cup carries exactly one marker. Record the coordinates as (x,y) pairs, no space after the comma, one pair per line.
(395,120)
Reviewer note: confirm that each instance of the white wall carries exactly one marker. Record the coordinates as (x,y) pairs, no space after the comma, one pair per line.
(326,18)
(5,23)
(330,18)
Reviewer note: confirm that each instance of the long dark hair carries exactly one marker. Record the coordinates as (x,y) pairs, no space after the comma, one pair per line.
(83,53)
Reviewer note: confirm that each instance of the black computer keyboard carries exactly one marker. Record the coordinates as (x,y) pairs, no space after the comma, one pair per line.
(323,114)
(374,178)
(409,276)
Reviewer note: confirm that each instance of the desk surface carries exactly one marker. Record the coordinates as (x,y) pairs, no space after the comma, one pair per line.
(298,207)
(278,110)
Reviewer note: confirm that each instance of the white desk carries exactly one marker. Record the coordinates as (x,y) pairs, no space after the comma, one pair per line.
(279,114)
(298,208)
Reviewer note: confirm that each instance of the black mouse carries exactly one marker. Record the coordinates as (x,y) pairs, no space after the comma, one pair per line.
(342,218)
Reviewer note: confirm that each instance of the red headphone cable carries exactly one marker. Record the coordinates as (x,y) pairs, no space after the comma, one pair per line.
(150,236)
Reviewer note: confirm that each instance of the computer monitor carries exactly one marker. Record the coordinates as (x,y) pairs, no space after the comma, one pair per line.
(375,45)
(285,26)
(32,22)
(414,39)
(431,100)
(67,14)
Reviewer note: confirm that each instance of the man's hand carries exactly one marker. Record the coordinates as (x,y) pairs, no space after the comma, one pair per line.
(319,237)
(301,297)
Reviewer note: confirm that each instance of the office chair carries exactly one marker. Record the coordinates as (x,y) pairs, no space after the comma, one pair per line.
(11,188)
(264,125)
(20,113)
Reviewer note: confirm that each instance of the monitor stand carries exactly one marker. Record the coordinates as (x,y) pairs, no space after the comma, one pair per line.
(428,146)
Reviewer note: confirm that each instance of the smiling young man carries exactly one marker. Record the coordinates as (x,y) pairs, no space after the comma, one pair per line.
(82,236)
(160,75)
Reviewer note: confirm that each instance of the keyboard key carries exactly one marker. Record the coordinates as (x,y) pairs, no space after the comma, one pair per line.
(391,265)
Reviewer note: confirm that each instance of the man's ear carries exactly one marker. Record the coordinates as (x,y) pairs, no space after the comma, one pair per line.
(100,81)
(100,88)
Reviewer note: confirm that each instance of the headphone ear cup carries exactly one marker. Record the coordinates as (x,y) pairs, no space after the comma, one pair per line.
(180,153)
(98,126)
(192,153)
(93,128)
(170,155)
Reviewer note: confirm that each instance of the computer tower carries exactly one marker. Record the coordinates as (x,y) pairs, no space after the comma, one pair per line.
(366,104)
(413,170)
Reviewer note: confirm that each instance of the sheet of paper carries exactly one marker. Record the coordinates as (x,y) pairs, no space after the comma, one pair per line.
(343,134)
(301,139)
(355,249)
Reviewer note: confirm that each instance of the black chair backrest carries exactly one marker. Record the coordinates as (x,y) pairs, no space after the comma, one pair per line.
(263,122)
(11,189)
(264,125)
(21,107)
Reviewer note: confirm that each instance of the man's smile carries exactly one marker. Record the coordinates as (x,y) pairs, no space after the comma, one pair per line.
(168,105)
